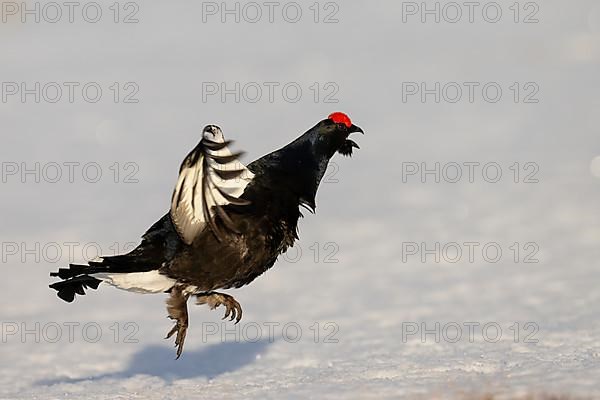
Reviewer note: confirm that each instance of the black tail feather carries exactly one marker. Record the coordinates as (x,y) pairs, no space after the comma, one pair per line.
(67,289)
(71,272)
(77,277)
(75,280)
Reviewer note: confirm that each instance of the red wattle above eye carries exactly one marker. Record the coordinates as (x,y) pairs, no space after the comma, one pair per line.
(341,118)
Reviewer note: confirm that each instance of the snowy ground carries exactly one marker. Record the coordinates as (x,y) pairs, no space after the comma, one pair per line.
(376,321)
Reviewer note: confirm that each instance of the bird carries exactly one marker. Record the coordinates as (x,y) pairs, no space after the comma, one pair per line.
(227,223)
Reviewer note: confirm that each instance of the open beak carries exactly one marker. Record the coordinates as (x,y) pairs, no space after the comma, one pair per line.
(355,128)
(349,145)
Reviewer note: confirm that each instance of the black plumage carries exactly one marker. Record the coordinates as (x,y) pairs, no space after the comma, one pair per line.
(227,224)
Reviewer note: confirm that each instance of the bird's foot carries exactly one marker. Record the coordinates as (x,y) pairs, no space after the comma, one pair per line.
(214,300)
(177,308)
(181,330)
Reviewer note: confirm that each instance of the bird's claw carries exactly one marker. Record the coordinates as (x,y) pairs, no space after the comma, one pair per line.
(233,309)
(180,338)
(177,308)
(172,331)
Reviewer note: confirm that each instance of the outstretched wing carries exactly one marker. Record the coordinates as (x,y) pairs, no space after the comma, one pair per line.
(210,178)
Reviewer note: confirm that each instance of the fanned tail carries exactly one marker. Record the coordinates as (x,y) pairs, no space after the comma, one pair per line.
(74,281)
(136,271)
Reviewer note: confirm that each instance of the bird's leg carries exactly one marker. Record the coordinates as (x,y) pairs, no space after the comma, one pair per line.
(214,300)
(177,309)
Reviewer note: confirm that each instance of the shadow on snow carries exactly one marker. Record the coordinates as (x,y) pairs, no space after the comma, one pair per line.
(159,361)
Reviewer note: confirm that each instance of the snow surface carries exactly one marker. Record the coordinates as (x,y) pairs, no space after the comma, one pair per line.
(370,296)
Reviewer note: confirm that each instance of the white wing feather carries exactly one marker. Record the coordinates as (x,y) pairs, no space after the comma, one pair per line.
(210,177)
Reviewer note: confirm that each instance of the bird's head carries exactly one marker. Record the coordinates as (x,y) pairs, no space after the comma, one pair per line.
(332,135)
(328,137)
(301,165)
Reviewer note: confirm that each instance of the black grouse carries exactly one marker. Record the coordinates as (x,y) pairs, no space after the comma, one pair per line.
(227,224)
